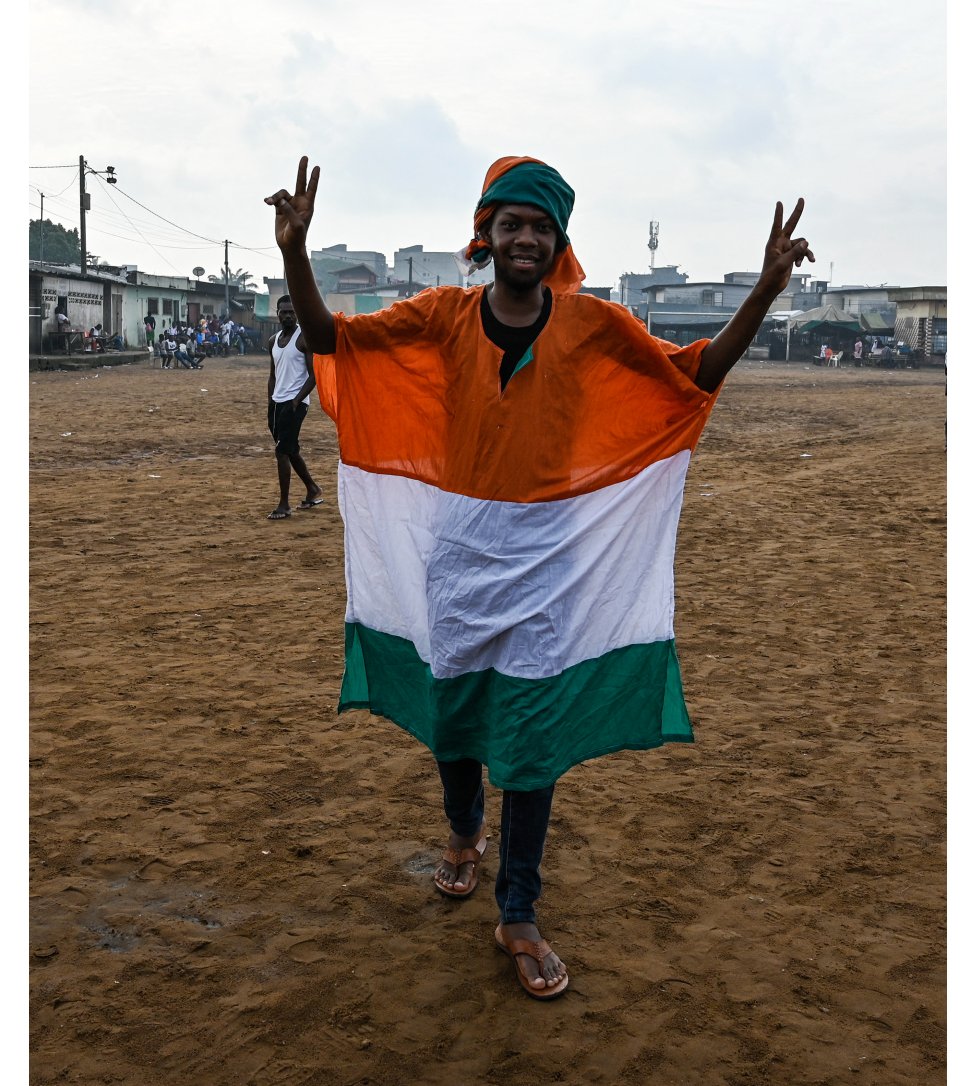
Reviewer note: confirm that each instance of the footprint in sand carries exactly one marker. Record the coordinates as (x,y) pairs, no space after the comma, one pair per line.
(305,951)
(154,871)
(71,895)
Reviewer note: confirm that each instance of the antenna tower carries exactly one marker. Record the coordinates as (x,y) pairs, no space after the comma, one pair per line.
(652,241)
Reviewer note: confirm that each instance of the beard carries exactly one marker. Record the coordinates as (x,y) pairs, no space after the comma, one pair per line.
(521,278)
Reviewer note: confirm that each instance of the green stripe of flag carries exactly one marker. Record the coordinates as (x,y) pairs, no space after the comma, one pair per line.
(527,731)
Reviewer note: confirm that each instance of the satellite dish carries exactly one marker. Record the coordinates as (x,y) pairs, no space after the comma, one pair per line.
(198,272)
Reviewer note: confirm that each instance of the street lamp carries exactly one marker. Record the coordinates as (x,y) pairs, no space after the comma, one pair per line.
(85,202)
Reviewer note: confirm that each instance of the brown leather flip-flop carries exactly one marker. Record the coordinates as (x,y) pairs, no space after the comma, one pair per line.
(458,856)
(537,950)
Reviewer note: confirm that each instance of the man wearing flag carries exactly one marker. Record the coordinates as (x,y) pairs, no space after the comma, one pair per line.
(512,463)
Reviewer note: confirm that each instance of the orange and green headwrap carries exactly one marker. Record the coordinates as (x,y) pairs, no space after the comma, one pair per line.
(523,180)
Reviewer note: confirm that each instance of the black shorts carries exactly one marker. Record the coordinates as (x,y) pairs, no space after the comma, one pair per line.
(284,422)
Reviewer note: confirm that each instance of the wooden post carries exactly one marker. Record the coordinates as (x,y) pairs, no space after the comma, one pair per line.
(83,197)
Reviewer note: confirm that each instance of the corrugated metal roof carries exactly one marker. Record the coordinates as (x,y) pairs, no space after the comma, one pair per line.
(690,320)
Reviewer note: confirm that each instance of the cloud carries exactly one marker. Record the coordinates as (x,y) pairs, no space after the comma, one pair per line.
(699,115)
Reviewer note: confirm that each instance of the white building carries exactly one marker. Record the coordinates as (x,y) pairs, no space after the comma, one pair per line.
(434,269)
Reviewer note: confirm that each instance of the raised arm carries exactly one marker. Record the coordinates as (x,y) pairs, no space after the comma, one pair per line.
(782,253)
(293,213)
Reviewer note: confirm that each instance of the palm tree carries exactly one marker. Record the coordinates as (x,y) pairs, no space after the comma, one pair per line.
(240,277)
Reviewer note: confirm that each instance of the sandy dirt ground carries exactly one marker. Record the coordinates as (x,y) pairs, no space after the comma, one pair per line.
(230,884)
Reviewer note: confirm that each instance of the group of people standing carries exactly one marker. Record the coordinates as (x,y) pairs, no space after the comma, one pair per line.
(188,345)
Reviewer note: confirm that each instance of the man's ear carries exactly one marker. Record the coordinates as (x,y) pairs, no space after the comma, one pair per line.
(484,234)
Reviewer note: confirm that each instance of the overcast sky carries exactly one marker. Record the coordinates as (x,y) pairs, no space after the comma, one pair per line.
(698,114)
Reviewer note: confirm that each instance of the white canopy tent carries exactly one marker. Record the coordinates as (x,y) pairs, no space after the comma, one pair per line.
(788,316)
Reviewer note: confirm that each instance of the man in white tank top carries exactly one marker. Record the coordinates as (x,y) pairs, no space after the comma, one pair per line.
(292,379)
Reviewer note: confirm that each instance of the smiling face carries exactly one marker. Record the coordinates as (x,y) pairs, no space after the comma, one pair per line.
(523,245)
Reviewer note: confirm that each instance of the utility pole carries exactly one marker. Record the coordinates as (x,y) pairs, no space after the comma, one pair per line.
(226,279)
(410,274)
(85,205)
(42,225)
(84,201)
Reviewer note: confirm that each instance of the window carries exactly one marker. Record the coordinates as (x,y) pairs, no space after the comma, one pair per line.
(168,307)
(152,305)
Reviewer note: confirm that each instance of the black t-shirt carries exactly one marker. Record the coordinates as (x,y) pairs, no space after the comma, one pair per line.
(513,341)
(150,322)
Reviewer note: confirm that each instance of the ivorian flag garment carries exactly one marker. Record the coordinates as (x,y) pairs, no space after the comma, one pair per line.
(509,554)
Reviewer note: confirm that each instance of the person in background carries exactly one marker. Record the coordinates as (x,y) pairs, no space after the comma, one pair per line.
(289,384)
(180,353)
(190,348)
(167,351)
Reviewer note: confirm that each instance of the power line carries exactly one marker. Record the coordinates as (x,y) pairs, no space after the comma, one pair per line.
(68,212)
(66,187)
(250,249)
(162,245)
(134,227)
(213,241)
(155,243)
(61,216)
(262,252)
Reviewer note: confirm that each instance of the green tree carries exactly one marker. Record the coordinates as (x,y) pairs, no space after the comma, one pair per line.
(239,277)
(60,246)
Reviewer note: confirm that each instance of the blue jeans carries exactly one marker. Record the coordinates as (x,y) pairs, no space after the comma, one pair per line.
(525,820)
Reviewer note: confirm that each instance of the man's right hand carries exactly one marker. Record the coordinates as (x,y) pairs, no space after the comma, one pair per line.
(293,213)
